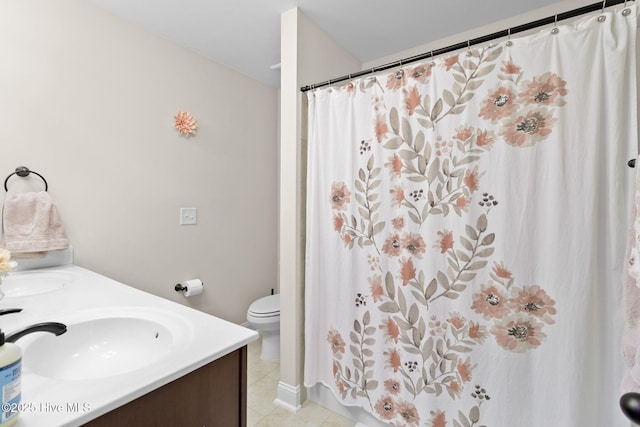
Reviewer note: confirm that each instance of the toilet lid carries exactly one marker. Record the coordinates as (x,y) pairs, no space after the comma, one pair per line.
(266,306)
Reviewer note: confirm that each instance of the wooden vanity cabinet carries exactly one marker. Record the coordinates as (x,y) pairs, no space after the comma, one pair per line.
(214,395)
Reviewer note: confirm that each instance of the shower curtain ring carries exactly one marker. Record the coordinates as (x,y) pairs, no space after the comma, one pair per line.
(469,48)
(555,29)
(625,11)
(509,42)
(433,62)
(602,17)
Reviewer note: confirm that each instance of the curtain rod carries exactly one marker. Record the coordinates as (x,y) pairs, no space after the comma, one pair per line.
(504,33)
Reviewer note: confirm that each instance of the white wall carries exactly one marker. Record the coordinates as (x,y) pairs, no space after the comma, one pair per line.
(88,101)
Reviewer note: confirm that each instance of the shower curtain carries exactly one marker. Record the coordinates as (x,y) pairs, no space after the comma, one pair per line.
(466,222)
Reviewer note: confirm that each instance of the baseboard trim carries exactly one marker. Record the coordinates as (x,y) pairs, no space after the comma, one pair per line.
(288,397)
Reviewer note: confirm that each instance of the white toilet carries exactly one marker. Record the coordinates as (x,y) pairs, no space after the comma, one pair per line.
(264,315)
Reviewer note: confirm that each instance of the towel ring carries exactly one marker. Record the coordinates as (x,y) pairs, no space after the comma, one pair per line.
(23,172)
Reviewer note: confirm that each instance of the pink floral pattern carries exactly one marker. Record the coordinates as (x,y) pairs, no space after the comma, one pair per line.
(337,343)
(534,301)
(518,333)
(392,386)
(392,246)
(412,100)
(547,89)
(524,110)
(392,332)
(490,302)
(431,181)
(340,195)
(414,244)
(421,73)
(375,285)
(527,127)
(438,419)
(445,242)
(499,104)
(386,408)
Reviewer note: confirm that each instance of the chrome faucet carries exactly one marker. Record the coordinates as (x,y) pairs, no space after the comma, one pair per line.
(53,327)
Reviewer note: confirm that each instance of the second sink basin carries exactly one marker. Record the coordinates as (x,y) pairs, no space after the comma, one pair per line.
(101,347)
(23,284)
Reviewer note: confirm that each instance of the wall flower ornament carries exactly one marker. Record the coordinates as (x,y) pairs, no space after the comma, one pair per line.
(185,123)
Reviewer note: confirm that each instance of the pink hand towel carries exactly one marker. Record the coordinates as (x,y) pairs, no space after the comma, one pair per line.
(31,223)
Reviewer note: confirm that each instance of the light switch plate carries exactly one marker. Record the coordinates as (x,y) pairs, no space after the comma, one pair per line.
(188,216)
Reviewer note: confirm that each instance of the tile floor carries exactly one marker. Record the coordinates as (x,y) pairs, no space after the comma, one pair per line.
(262,379)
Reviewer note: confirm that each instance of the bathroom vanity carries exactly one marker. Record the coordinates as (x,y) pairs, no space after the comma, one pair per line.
(127,358)
(213,395)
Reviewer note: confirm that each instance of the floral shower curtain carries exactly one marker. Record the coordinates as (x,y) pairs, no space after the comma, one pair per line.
(466,223)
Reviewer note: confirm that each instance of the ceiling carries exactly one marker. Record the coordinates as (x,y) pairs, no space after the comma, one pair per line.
(245,34)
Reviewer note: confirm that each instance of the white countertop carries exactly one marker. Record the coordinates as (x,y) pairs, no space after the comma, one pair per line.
(199,339)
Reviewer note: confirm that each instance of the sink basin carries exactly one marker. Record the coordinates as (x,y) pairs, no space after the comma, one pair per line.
(100,347)
(22,284)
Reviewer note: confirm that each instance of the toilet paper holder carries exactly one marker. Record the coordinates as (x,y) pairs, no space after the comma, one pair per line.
(190,288)
(180,288)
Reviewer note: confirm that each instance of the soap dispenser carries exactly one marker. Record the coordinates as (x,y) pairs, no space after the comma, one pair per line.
(10,379)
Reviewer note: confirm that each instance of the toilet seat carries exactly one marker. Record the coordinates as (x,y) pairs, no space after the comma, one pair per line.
(266,308)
